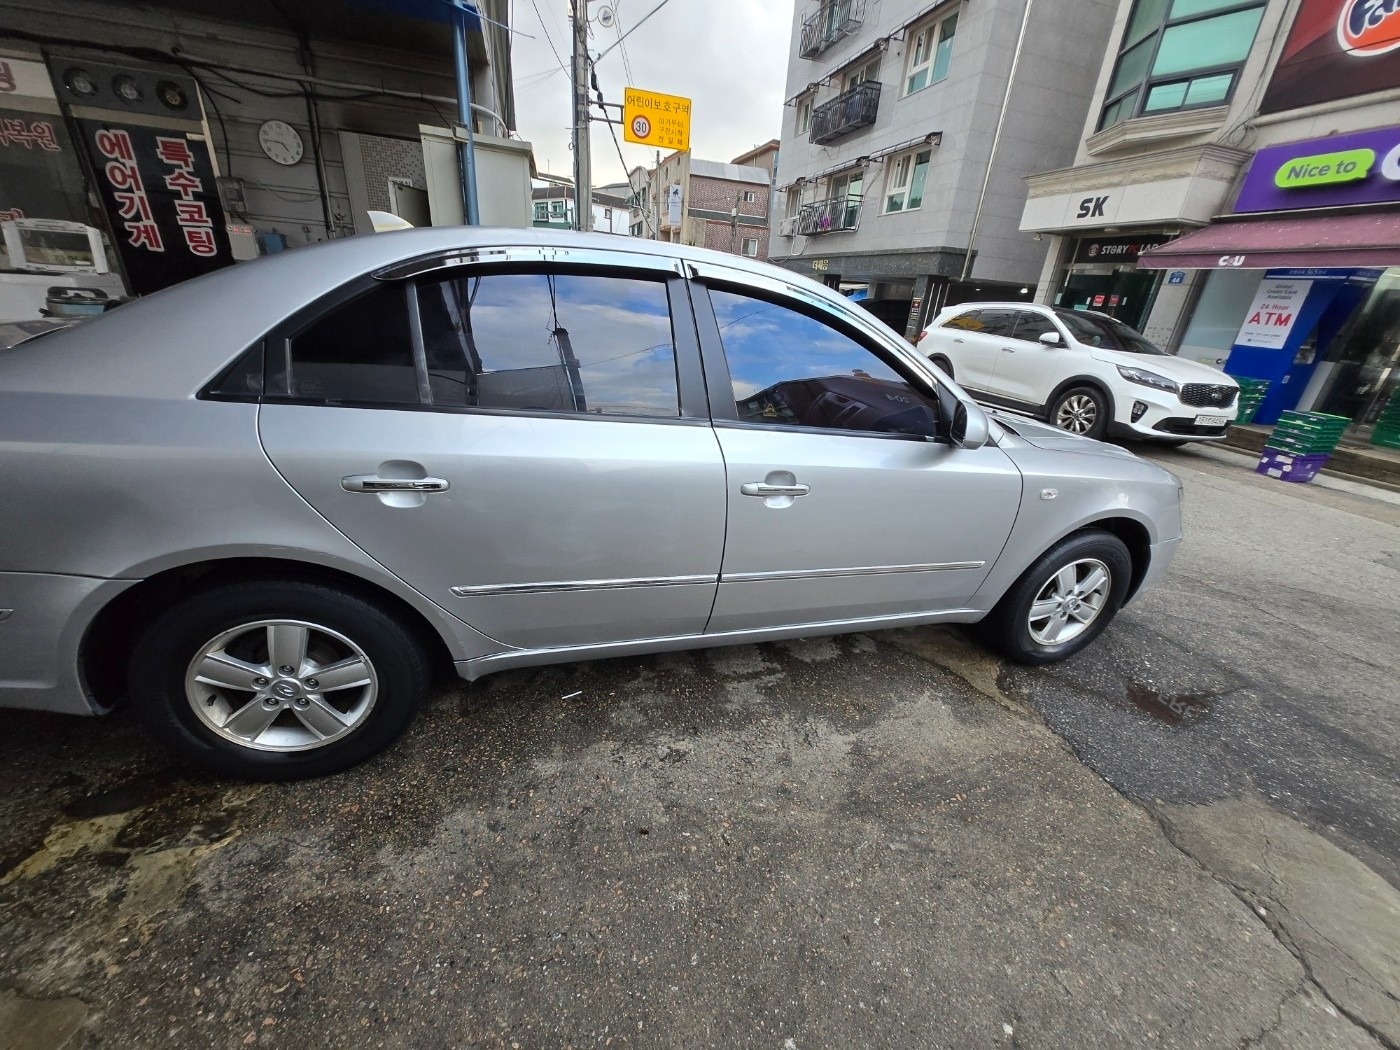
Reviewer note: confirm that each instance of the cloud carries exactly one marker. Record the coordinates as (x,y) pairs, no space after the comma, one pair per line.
(728,56)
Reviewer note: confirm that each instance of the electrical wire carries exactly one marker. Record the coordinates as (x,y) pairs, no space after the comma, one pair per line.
(646,214)
(622,50)
(629,32)
(557,57)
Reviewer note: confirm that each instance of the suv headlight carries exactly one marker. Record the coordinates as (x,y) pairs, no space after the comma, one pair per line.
(1145,378)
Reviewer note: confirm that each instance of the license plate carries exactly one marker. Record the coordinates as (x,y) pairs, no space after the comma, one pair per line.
(1212,421)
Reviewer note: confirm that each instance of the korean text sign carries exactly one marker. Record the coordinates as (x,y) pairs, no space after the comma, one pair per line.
(158,190)
(651,119)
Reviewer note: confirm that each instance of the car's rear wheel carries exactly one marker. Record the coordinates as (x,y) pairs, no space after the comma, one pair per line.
(1062,602)
(1081,410)
(942,362)
(277,681)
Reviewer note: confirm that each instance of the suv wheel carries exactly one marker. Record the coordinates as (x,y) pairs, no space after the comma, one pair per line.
(1081,410)
(277,681)
(1062,602)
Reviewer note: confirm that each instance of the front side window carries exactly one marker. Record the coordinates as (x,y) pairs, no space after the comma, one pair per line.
(790,368)
(907,174)
(930,54)
(1100,330)
(1031,326)
(555,343)
(1179,54)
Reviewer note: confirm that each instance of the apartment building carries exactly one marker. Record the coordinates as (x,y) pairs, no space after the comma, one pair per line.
(723,206)
(888,187)
(1235,194)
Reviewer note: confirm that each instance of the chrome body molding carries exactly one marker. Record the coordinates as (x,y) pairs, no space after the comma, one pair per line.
(473,669)
(859,570)
(579,585)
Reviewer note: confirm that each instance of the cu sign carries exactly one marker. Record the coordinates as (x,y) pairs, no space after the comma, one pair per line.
(1232,260)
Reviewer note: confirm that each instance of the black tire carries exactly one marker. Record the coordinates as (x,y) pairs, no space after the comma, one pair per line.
(156,676)
(939,361)
(1070,405)
(1007,629)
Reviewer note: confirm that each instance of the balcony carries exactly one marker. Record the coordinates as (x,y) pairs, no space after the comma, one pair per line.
(846,112)
(833,20)
(830,216)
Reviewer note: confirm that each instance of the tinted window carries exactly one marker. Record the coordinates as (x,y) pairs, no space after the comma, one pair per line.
(1032,326)
(790,368)
(968,322)
(998,322)
(545,342)
(359,353)
(1107,332)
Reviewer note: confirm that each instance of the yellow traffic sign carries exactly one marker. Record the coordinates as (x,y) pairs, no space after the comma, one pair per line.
(650,119)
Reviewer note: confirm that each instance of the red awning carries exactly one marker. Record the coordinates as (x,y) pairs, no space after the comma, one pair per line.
(1372,239)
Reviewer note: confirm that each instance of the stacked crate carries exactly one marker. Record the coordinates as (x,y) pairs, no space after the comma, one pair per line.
(1387,430)
(1252,393)
(1300,444)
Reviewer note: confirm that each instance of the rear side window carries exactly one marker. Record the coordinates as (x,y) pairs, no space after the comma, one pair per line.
(968,322)
(359,353)
(599,345)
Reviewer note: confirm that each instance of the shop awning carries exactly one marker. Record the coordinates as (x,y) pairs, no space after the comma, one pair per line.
(1372,239)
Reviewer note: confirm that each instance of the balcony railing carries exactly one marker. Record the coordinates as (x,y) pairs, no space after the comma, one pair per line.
(830,216)
(852,109)
(830,22)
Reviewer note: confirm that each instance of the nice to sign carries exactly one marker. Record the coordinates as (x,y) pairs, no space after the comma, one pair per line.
(652,119)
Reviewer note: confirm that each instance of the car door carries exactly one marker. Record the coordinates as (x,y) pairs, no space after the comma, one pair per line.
(525,443)
(1029,370)
(972,342)
(842,504)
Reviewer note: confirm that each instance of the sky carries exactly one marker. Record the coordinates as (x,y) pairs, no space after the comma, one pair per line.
(728,56)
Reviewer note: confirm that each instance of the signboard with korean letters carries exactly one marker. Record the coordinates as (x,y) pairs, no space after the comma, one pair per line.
(157,186)
(40,174)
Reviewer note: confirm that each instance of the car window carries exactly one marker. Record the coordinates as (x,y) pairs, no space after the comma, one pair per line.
(358,353)
(968,322)
(550,342)
(1031,326)
(1129,340)
(1084,329)
(999,323)
(790,368)
(1107,332)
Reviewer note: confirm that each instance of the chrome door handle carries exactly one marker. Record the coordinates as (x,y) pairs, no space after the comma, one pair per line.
(1008,349)
(374,483)
(759,488)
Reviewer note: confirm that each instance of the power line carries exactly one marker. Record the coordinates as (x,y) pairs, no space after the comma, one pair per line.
(646,212)
(626,62)
(629,32)
(549,38)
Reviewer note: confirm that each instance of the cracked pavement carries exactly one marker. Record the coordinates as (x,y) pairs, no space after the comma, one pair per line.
(1187,836)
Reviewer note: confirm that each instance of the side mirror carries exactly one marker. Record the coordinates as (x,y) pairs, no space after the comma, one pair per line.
(971,428)
(1050,338)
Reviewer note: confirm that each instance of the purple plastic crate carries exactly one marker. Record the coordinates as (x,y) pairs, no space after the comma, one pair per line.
(1290,466)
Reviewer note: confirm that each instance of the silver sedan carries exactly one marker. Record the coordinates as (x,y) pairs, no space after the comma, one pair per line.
(266,504)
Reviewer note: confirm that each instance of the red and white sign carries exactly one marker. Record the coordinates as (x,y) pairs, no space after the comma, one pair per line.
(124,176)
(1098,300)
(191,215)
(1273,313)
(1369,27)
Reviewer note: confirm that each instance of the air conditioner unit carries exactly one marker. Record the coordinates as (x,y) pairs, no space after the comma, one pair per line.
(788,227)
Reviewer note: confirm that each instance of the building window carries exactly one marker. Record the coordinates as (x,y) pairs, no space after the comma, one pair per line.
(751,246)
(541,212)
(794,201)
(930,54)
(556,208)
(904,188)
(607,214)
(858,76)
(749,197)
(804,116)
(1179,54)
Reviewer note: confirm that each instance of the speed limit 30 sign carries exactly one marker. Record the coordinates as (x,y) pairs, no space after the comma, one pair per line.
(652,119)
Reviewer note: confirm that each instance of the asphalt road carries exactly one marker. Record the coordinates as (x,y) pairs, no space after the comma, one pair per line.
(1188,836)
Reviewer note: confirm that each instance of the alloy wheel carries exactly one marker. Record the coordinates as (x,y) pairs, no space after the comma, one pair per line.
(281,685)
(1070,601)
(1077,413)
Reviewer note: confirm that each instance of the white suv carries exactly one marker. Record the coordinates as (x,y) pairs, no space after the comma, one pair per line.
(1085,372)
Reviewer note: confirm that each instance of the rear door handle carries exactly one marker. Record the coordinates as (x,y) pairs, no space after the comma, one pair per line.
(374,483)
(759,488)
(1008,349)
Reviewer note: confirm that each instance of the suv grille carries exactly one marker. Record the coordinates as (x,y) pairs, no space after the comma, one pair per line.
(1208,395)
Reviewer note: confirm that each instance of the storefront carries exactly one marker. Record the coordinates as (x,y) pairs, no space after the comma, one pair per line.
(1303,281)
(1102,274)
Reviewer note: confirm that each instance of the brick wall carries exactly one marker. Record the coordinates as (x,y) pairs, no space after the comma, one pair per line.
(719,236)
(718,195)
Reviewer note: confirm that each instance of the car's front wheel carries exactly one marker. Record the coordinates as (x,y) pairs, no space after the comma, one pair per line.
(1062,602)
(1081,410)
(277,681)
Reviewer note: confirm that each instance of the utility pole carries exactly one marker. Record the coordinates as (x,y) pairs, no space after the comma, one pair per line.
(583,161)
(466,146)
